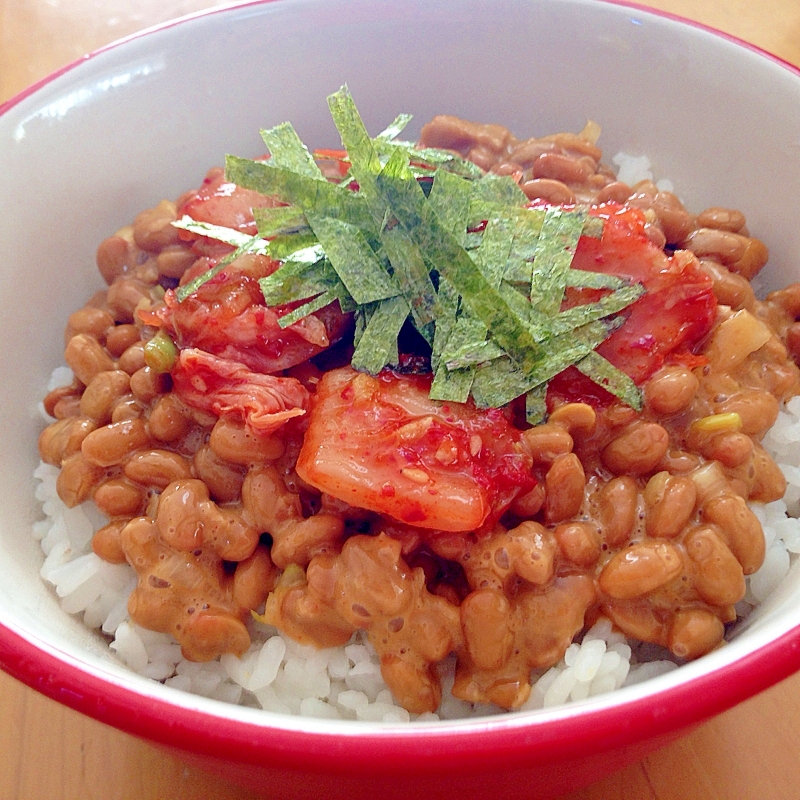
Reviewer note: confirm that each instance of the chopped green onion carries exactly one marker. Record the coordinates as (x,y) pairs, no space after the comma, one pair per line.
(160,353)
(715,423)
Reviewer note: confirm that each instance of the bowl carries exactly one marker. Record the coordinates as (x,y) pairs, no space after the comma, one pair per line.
(85,150)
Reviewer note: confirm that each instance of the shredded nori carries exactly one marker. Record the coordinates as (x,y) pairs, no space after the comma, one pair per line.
(423,237)
(288,151)
(377,345)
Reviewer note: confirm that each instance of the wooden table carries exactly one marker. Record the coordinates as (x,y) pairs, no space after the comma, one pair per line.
(48,752)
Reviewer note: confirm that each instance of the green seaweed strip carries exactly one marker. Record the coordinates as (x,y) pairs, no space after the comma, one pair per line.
(387,251)
(364,161)
(583,279)
(542,326)
(182,292)
(472,354)
(452,386)
(305,274)
(519,273)
(554,251)
(539,326)
(528,223)
(308,194)
(377,345)
(289,152)
(220,233)
(495,248)
(279,221)
(430,159)
(450,198)
(447,304)
(411,273)
(285,246)
(310,254)
(293,285)
(589,312)
(593,227)
(525,225)
(427,332)
(499,382)
(526,229)
(353,259)
(536,405)
(299,280)
(472,240)
(614,380)
(396,127)
(455,384)
(320,301)
(491,258)
(487,304)
(502,189)
(470,332)
(482,208)
(362,317)
(448,258)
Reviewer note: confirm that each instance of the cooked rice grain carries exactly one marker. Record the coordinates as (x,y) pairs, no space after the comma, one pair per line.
(280,675)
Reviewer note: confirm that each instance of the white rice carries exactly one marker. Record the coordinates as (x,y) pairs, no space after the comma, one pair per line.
(281,675)
(632,169)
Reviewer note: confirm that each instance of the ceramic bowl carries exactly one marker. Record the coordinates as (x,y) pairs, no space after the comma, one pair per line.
(83,151)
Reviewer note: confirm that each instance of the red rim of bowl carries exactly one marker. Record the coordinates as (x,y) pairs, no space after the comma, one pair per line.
(505,741)
(34,87)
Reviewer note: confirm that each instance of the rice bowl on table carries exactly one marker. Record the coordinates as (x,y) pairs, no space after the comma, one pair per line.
(412,427)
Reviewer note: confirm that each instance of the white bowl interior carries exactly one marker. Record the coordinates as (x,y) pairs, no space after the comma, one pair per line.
(143,121)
